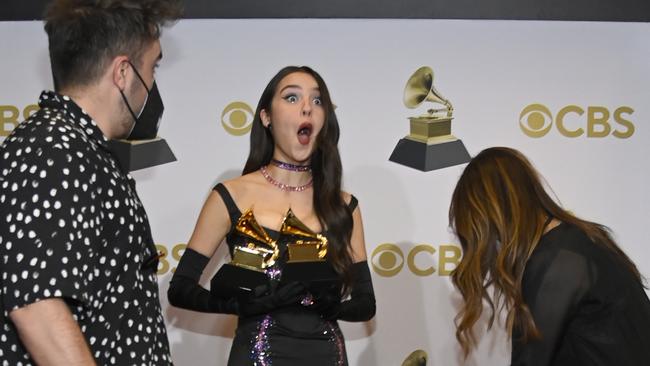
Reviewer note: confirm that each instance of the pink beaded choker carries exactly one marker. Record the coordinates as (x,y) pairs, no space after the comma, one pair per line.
(282,186)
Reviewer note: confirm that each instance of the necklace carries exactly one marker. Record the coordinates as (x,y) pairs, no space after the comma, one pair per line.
(289,166)
(282,186)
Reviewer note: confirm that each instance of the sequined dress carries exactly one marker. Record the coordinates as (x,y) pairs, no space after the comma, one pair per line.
(284,337)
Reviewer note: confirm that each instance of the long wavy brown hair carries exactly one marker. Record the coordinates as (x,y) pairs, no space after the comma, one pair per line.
(498,211)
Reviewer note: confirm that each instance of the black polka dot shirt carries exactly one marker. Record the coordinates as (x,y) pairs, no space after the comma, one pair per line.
(72,227)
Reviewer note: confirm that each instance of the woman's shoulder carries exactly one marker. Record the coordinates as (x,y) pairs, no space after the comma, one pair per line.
(235,194)
(350,200)
(565,244)
(238,186)
(565,237)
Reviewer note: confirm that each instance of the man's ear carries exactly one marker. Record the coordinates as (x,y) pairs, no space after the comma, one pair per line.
(119,70)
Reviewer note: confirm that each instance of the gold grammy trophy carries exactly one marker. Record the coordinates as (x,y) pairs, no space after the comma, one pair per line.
(430,144)
(307,254)
(247,269)
(307,246)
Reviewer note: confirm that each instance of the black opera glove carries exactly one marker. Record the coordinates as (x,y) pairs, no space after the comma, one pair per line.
(327,301)
(361,305)
(185,292)
(269,297)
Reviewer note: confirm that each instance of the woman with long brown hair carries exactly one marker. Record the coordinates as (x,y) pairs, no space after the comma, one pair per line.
(571,296)
(293,164)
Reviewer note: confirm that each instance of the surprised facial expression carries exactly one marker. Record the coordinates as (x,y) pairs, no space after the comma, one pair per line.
(296,117)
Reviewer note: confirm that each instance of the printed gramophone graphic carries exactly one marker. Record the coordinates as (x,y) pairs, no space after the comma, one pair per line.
(144,148)
(429,144)
(141,154)
(306,254)
(250,260)
(416,358)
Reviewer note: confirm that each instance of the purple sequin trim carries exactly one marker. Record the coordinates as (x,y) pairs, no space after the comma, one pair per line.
(291,167)
(307,300)
(261,349)
(337,338)
(274,273)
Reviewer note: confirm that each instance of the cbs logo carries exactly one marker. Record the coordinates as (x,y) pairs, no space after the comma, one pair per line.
(237,118)
(10,117)
(388,259)
(536,120)
(165,263)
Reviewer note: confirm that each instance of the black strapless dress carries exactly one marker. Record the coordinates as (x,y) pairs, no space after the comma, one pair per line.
(288,336)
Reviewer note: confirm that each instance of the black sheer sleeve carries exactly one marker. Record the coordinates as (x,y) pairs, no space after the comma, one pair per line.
(185,291)
(554,283)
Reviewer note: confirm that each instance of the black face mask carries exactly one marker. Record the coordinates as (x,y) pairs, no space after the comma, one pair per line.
(148,120)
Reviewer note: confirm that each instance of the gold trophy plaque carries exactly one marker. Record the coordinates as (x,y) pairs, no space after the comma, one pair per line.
(306,255)
(250,260)
(260,251)
(429,144)
(305,245)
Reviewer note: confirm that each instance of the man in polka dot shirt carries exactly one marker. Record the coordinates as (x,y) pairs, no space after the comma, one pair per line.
(77,260)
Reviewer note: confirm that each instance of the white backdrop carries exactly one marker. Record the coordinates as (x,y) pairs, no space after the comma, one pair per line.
(490,70)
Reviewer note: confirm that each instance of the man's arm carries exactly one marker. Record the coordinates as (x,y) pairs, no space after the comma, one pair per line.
(50,334)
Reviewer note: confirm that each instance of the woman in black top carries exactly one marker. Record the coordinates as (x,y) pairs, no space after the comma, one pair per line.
(293,164)
(571,295)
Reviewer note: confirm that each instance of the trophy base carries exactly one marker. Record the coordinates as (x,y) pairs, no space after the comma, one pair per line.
(232,280)
(314,274)
(135,155)
(425,157)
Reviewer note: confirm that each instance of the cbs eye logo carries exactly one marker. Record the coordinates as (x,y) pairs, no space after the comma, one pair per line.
(387,260)
(237,118)
(536,120)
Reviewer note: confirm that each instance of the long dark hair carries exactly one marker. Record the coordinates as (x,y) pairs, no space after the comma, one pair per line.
(500,197)
(333,213)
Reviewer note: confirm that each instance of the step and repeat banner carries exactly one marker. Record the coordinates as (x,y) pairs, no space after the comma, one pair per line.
(573,96)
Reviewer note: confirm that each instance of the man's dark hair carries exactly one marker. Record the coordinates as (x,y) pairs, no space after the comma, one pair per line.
(84,35)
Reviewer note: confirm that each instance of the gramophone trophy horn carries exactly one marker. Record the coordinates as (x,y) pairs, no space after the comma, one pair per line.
(307,256)
(305,245)
(248,227)
(429,144)
(250,259)
(261,251)
(416,358)
(419,88)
